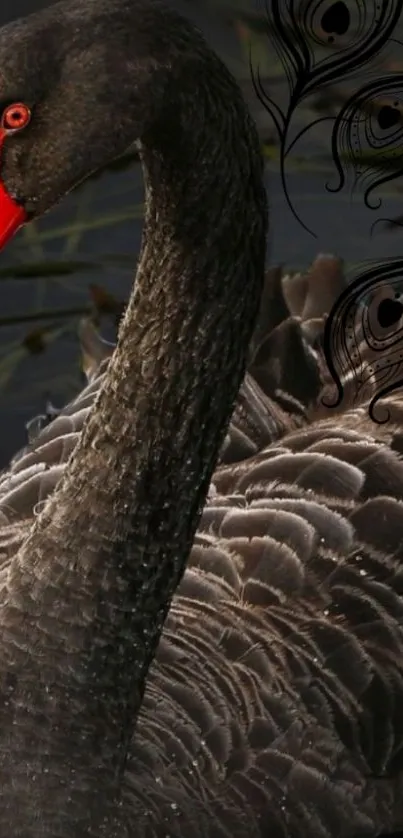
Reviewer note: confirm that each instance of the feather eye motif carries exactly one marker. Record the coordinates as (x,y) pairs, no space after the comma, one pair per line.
(298,29)
(363,339)
(368,130)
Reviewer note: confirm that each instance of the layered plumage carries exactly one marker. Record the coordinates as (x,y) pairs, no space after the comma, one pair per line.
(273,704)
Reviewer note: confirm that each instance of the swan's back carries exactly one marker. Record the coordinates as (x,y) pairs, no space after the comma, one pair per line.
(273,705)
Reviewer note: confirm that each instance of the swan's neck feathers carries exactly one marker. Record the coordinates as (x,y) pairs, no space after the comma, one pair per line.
(107,553)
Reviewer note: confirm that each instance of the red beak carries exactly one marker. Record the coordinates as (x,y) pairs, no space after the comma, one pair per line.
(12,216)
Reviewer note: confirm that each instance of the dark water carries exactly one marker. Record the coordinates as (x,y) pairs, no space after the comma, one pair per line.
(340,225)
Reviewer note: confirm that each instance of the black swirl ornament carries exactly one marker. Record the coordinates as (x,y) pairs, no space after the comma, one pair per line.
(357,30)
(363,337)
(367,137)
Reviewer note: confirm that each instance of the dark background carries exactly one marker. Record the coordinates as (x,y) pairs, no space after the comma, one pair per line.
(99,226)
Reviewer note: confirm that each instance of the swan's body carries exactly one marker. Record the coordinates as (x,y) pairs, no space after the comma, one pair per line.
(270,705)
(264,711)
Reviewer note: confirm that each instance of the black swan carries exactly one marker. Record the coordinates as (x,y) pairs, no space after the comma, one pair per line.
(258,692)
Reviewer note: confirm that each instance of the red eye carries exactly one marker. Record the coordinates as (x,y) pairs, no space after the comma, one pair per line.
(15,117)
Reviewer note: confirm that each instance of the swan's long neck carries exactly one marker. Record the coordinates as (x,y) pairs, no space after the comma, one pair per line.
(96,575)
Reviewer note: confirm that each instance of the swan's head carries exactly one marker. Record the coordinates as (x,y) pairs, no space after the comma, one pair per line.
(77,87)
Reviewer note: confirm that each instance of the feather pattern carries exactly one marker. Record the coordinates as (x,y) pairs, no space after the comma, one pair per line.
(262,707)
(282,644)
